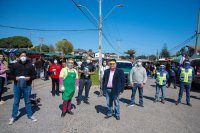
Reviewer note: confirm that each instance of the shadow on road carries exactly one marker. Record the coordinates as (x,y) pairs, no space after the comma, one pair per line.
(195,97)
(124,100)
(6,98)
(101,109)
(23,111)
(149,98)
(170,100)
(153,85)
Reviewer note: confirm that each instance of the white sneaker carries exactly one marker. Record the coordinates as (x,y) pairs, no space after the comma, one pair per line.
(11,121)
(130,105)
(2,102)
(33,118)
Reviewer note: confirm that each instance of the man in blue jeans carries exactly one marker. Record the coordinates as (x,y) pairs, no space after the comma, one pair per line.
(138,78)
(87,69)
(161,80)
(23,73)
(113,84)
(186,74)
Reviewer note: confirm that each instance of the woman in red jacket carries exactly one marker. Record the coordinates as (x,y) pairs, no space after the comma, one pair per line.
(54,71)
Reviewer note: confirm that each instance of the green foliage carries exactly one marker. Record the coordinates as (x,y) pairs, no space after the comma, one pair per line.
(152,57)
(95,78)
(165,52)
(64,46)
(44,48)
(131,53)
(15,42)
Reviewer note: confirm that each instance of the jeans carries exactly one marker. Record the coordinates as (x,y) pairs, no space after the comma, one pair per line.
(140,89)
(158,88)
(55,84)
(110,99)
(17,95)
(2,80)
(186,87)
(84,83)
(46,76)
(38,71)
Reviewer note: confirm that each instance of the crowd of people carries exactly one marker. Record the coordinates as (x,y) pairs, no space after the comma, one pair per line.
(67,76)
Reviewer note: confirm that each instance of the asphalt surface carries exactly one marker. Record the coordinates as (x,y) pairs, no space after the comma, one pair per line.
(152,118)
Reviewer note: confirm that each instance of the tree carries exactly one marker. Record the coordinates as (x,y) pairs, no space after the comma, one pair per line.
(165,52)
(64,46)
(152,57)
(51,48)
(16,42)
(131,53)
(44,48)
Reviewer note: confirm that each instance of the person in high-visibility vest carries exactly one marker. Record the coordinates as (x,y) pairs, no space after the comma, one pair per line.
(186,74)
(161,80)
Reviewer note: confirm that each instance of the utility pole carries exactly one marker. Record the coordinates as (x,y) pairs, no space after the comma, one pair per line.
(41,39)
(197,33)
(100,33)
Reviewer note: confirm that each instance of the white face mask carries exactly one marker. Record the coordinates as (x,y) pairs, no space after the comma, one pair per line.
(55,61)
(104,64)
(70,66)
(88,61)
(23,59)
(139,63)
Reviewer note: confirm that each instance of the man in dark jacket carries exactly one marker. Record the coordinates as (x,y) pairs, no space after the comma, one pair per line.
(113,84)
(23,73)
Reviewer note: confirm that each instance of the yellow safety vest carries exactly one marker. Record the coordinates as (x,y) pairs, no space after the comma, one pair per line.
(161,80)
(186,77)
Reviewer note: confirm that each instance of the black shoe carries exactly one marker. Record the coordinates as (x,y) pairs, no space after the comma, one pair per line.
(78,102)
(141,105)
(63,115)
(57,94)
(177,103)
(107,116)
(163,101)
(70,112)
(53,94)
(86,102)
(117,117)
(189,104)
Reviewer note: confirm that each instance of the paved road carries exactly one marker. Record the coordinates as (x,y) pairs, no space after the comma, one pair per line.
(153,118)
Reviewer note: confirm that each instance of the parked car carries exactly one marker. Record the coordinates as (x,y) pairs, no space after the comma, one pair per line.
(126,66)
(196,81)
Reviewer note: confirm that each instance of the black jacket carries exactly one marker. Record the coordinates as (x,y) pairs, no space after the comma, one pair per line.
(118,81)
(20,69)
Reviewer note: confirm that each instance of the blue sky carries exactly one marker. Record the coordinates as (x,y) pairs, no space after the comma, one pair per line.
(143,25)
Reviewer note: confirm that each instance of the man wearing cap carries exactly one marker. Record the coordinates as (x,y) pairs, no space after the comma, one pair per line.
(113,84)
(138,78)
(186,74)
(161,79)
(87,69)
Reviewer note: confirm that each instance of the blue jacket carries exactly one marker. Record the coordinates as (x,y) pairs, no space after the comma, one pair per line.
(118,81)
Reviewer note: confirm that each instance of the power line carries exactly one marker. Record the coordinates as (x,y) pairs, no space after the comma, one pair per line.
(49,30)
(94,22)
(183,43)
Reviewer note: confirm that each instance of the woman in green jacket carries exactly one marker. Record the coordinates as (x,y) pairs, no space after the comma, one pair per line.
(69,83)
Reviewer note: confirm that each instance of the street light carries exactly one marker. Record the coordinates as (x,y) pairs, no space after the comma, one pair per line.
(111,10)
(100,24)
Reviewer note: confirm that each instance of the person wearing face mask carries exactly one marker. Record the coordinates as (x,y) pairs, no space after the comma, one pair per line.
(101,73)
(113,84)
(54,71)
(186,74)
(68,82)
(138,78)
(3,75)
(161,80)
(87,69)
(23,73)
